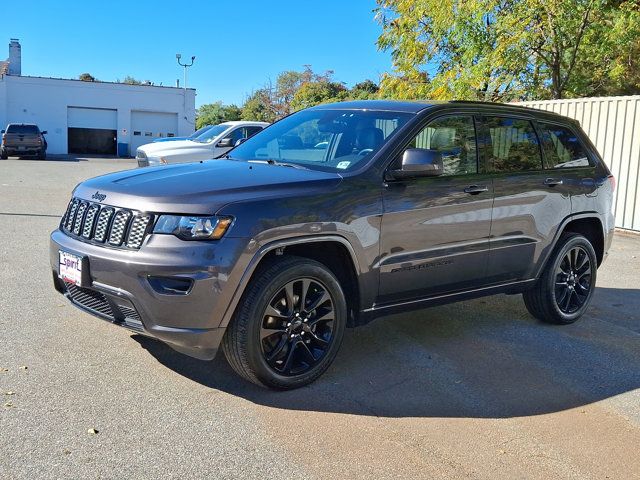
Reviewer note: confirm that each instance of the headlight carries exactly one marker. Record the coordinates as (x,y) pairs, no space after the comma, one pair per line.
(156,161)
(193,228)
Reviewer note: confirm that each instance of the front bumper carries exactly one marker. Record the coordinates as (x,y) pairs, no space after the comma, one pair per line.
(118,288)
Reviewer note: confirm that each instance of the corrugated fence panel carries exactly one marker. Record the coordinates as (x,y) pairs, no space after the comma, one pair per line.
(613,125)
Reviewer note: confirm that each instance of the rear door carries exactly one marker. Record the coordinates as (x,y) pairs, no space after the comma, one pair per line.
(529,202)
(435,230)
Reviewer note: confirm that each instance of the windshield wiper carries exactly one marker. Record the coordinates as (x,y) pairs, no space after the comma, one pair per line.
(272,161)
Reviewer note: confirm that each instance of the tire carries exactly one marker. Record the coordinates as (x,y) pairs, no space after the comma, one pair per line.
(564,290)
(42,155)
(3,155)
(280,360)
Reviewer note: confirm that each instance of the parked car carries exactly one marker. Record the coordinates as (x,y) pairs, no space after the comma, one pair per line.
(212,143)
(272,252)
(23,139)
(195,134)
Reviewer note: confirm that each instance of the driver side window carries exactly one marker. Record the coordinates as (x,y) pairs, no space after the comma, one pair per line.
(454,138)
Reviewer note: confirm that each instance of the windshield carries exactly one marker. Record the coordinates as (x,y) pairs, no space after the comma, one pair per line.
(211,133)
(329,140)
(23,129)
(199,132)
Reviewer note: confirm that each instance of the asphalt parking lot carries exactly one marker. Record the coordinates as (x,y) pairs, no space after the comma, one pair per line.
(472,390)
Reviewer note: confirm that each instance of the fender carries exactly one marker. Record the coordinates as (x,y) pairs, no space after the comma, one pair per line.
(269,247)
(556,237)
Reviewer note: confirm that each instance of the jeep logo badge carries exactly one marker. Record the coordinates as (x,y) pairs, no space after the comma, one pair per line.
(98,196)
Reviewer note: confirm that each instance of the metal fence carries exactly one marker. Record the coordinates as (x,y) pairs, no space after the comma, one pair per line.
(613,124)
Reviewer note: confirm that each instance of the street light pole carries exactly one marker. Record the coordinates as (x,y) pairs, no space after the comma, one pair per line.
(185,65)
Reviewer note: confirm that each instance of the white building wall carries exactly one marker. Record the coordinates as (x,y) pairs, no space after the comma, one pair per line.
(613,125)
(44,101)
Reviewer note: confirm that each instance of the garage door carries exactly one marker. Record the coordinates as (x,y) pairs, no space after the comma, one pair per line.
(146,126)
(92,130)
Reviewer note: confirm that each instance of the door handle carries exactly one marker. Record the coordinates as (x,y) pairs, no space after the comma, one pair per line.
(552,182)
(475,189)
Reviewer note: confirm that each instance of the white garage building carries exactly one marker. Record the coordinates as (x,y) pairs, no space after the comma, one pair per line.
(93,117)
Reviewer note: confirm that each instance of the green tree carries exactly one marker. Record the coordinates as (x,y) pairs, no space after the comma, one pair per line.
(86,77)
(364,90)
(316,92)
(215,113)
(259,107)
(505,49)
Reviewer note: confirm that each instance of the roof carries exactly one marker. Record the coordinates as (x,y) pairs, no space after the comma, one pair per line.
(382,105)
(243,122)
(99,82)
(416,106)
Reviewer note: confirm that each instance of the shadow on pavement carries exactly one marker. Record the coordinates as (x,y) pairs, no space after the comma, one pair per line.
(485,358)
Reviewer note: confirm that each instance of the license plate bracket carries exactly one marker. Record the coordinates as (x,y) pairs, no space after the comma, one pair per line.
(73,268)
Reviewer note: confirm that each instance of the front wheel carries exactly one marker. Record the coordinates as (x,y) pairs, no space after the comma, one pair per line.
(3,155)
(289,325)
(564,290)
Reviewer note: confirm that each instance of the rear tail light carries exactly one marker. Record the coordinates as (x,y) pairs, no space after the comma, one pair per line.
(612,179)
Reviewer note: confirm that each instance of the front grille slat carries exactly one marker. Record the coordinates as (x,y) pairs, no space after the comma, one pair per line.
(115,227)
(89,220)
(119,226)
(138,230)
(77,224)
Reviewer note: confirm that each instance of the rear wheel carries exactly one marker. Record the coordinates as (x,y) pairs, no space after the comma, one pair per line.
(564,290)
(42,155)
(289,325)
(3,155)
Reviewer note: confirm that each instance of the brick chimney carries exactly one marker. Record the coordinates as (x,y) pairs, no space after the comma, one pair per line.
(15,57)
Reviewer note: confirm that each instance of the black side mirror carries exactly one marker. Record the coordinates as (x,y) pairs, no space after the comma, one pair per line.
(419,162)
(44,132)
(225,143)
(2,131)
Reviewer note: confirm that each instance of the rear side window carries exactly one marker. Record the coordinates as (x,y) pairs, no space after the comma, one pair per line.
(512,145)
(23,129)
(562,148)
(454,137)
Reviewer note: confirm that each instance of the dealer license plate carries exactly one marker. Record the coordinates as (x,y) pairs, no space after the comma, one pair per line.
(70,268)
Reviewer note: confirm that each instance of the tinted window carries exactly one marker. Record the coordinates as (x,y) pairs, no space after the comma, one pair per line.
(237,134)
(454,138)
(562,147)
(23,129)
(512,145)
(211,133)
(331,140)
(252,131)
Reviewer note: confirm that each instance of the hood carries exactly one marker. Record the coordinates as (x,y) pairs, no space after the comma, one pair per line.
(202,187)
(159,148)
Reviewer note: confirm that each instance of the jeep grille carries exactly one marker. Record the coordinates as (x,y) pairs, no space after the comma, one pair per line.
(106,225)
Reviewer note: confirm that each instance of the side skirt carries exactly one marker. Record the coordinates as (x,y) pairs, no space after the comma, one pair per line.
(376,311)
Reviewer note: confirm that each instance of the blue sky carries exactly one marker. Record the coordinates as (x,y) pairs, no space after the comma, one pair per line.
(238,45)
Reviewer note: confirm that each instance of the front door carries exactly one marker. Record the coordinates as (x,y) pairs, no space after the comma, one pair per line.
(530,202)
(435,230)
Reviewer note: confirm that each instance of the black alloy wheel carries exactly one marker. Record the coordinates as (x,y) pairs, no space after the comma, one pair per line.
(573,280)
(565,287)
(289,324)
(297,326)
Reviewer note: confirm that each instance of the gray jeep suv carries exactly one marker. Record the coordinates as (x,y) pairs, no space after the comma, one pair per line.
(336,215)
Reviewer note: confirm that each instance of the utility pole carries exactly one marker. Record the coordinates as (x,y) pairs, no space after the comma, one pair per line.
(185,65)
